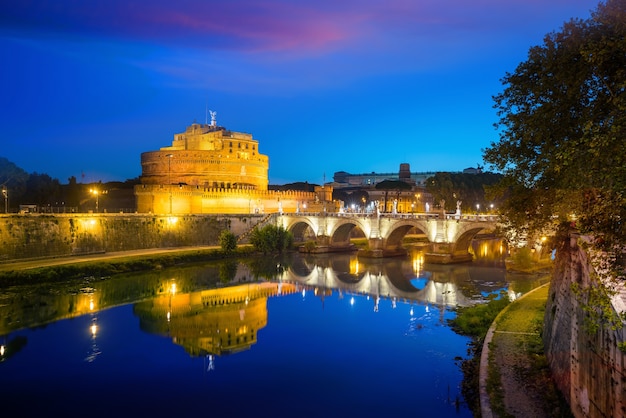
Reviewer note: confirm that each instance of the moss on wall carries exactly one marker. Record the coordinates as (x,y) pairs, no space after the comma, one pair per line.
(34,235)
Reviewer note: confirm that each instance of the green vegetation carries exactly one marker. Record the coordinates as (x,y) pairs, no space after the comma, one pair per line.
(467,188)
(522,259)
(562,124)
(271,238)
(474,321)
(228,241)
(562,127)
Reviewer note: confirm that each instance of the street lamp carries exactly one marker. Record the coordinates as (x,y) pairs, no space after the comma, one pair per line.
(97,193)
(5,194)
(169,177)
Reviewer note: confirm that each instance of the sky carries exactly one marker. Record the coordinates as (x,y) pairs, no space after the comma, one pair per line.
(324,86)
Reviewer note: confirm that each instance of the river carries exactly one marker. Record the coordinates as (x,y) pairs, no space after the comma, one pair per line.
(293,336)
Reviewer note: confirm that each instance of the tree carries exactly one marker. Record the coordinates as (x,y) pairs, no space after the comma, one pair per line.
(42,190)
(271,238)
(562,122)
(466,187)
(14,179)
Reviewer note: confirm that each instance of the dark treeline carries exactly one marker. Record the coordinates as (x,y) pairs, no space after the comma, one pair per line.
(49,195)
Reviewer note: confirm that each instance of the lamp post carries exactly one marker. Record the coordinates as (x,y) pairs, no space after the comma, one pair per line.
(169,177)
(97,193)
(5,194)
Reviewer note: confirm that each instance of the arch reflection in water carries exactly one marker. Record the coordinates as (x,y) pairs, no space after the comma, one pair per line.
(215,322)
(388,279)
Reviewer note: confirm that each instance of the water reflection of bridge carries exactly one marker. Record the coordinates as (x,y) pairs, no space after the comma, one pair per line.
(393,280)
(226,316)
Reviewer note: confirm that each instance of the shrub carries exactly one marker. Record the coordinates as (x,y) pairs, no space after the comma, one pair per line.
(271,238)
(228,241)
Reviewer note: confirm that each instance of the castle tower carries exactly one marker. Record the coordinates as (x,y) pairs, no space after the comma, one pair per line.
(209,156)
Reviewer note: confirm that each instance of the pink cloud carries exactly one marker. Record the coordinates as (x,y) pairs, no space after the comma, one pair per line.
(288,27)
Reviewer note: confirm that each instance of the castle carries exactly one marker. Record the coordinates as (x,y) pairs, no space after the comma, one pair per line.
(210,169)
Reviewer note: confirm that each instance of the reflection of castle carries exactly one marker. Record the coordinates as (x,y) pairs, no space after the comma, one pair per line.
(209,169)
(215,321)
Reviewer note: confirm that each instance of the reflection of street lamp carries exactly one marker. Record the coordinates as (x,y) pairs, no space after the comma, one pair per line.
(169,177)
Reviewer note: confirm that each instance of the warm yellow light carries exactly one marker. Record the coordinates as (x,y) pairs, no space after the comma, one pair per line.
(354,266)
(418,262)
(173,288)
(94,329)
(172,220)
(91,305)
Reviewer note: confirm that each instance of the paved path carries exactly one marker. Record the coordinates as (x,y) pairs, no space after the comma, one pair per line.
(46,262)
(524,389)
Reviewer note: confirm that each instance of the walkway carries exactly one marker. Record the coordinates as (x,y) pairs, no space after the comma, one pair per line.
(514,380)
(47,262)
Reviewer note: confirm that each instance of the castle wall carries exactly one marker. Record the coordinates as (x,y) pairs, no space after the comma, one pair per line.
(43,235)
(194,199)
(588,367)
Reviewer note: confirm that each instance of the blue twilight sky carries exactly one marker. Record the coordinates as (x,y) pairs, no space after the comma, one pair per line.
(324,86)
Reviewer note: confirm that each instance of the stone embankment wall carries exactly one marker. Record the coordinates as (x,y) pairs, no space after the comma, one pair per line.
(40,235)
(588,366)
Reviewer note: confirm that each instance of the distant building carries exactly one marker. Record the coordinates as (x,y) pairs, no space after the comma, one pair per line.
(209,169)
(415,199)
(473,170)
(342,179)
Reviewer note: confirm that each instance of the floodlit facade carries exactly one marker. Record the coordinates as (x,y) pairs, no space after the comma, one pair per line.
(210,169)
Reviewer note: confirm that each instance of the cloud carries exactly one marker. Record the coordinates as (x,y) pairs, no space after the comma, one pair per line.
(286,43)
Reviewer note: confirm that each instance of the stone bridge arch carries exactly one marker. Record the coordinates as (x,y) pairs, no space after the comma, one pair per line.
(450,236)
(299,228)
(340,232)
(395,233)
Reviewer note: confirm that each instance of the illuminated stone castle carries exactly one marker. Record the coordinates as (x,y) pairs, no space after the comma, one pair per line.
(209,169)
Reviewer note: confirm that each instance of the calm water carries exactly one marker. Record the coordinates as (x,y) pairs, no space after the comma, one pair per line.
(297,337)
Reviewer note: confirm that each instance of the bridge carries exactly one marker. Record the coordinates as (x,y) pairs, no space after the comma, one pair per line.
(449,235)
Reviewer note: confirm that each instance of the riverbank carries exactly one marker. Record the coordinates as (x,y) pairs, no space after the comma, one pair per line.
(515,379)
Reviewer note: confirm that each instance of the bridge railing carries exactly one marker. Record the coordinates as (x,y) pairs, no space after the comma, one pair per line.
(421,216)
